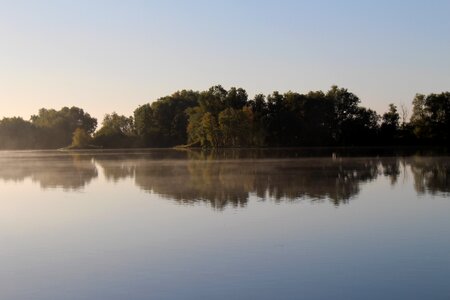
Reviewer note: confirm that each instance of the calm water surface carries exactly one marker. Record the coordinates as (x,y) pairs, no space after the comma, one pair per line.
(166,224)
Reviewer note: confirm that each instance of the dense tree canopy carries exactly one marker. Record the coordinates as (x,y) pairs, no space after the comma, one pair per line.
(431,117)
(281,120)
(49,129)
(228,118)
(57,127)
(164,122)
(116,132)
(16,133)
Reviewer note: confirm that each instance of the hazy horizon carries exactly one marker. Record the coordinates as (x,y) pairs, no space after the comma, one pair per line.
(109,56)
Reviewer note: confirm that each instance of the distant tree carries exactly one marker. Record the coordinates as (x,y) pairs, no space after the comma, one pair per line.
(314,115)
(293,119)
(257,110)
(420,118)
(391,118)
(275,120)
(405,134)
(390,125)
(143,116)
(319,119)
(59,126)
(213,100)
(164,122)
(81,139)
(345,110)
(117,131)
(431,117)
(404,114)
(116,124)
(195,130)
(236,98)
(16,133)
(365,127)
(215,104)
(235,127)
(211,130)
(438,114)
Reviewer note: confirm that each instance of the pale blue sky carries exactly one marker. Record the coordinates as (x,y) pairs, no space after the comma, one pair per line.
(109,56)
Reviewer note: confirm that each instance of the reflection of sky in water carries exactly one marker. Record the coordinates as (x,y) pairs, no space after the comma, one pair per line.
(107,228)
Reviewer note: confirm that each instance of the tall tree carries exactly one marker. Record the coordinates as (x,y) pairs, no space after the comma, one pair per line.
(345,110)
(431,117)
(59,126)
(235,127)
(117,131)
(16,133)
(164,122)
(390,125)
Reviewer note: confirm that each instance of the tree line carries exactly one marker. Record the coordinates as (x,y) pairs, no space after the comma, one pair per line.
(218,118)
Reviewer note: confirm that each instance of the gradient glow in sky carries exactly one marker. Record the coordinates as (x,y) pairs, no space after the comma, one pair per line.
(109,56)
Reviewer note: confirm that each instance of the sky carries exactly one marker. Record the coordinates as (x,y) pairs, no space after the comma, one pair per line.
(106,56)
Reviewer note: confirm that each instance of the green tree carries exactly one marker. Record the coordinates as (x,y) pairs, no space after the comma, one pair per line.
(143,118)
(164,122)
(16,133)
(59,126)
(117,131)
(211,130)
(195,130)
(81,139)
(234,125)
(203,121)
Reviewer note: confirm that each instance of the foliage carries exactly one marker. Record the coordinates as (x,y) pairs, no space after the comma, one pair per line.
(81,139)
(431,117)
(164,122)
(16,133)
(57,127)
(234,125)
(117,131)
(228,118)
(390,125)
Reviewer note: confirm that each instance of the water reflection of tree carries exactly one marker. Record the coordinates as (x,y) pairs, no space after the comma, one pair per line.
(225,181)
(117,168)
(431,175)
(229,178)
(391,168)
(60,171)
(230,182)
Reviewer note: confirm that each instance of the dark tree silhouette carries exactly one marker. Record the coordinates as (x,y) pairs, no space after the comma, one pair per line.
(220,118)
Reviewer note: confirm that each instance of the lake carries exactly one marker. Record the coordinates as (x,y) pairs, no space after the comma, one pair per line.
(255,224)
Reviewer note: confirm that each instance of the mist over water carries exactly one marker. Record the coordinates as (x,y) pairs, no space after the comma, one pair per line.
(230,224)
(227,177)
